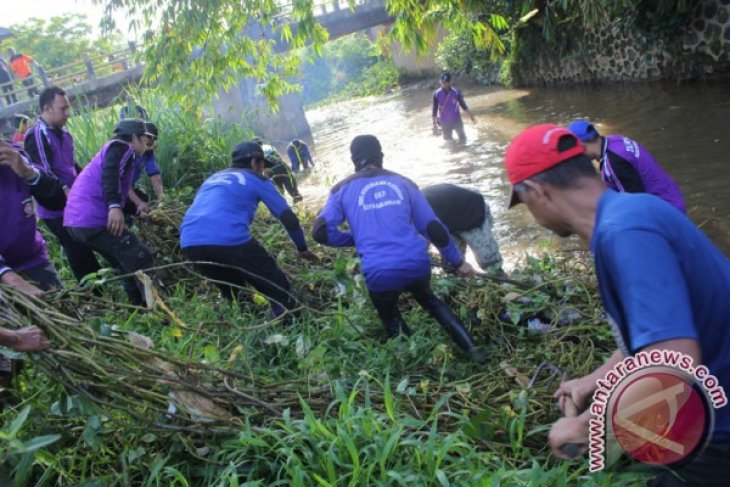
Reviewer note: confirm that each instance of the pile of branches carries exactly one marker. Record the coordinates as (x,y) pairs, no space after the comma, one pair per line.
(122,372)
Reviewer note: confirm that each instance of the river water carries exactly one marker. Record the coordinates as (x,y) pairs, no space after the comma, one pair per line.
(686,127)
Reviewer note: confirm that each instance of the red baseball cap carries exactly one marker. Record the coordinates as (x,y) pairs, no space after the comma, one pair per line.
(534,150)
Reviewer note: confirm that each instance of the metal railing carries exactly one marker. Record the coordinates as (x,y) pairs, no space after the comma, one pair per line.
(88,68)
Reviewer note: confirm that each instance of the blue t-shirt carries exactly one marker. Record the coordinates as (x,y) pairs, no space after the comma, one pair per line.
(225,206)
(146,162)
(662,279)
(388,218)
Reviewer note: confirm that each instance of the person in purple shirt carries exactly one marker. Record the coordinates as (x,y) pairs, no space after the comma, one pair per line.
(138,202)
(24,262)
(391,224)
(93,213)
(51,146)
(626,165)
(299,155)
(445,111)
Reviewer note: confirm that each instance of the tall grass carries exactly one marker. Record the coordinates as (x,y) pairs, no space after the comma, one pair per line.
(190,146)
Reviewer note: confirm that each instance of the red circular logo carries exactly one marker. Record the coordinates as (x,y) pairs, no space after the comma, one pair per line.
(660,416)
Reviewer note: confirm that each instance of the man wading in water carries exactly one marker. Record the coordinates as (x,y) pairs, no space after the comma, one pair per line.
(445,111)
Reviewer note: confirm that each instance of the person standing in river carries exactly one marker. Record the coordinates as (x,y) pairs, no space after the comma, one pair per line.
(626,165)
(391,225)
(663,284)
(446,109)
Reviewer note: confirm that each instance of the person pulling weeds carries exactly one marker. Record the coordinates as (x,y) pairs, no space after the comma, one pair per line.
(94,214)
(391,225)
(216,229)
(663,284)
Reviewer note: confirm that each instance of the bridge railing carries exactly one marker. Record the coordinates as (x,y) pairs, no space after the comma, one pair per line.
(89,67)
(322,7)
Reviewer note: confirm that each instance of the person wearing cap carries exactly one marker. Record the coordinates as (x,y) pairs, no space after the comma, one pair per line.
(445,111)
(51,146)
(278,171)
(138,201)
(93,213)
(299,155)
(663,284)
(469,220)
(24,261)
(216,229)
(391,225)
(626,165)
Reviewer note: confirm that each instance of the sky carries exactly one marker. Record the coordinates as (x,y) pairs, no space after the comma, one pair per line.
(18,11)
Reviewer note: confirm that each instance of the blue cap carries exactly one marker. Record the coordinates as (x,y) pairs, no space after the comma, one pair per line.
(583,129)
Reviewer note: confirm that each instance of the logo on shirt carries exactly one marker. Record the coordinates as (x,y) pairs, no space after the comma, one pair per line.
(632,147)
(379,194)
(657,406)
(226,179)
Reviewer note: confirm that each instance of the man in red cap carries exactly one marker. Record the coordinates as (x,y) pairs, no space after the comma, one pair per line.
(663,284)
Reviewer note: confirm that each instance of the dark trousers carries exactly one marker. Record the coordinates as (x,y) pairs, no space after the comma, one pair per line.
(449,127)
(125,253)
(710,469)
(248,263)
(282,176)
(81,258)
(42,276)
(9,99)
(29,81)
(386,304)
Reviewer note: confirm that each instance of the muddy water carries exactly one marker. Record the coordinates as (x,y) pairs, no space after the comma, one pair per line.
(687,128)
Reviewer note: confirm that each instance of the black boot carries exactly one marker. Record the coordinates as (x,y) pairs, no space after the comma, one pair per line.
(396,326)
(449,322)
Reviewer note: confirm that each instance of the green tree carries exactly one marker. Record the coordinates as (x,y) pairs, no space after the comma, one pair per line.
(59,40)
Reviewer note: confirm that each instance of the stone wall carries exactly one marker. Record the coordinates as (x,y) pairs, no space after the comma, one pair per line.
(614,52)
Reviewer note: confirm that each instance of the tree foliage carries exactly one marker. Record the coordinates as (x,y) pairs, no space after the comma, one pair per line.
(59,40)
(195,48)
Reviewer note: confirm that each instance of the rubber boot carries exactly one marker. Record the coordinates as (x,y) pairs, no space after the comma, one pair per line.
(449,322)
(396,326)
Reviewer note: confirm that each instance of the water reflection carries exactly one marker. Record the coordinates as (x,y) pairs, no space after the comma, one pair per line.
(685,127)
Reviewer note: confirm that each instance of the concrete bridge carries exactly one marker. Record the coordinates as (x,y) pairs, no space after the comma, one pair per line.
(243,102)
(94,80)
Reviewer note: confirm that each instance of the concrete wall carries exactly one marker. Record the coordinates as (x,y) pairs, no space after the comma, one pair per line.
(613,52)
(242,104)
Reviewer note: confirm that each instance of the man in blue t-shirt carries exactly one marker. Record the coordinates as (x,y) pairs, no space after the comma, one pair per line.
(663,284)
(138,201)
(391,225)
(216,229)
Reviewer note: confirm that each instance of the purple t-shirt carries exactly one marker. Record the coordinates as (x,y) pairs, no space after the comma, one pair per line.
(60,163)
(388,218)
(86,206)
(21,245)
(447,104)
(655,180)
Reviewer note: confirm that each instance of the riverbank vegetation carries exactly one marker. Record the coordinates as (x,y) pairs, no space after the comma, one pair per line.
(348,67)
(219,394)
